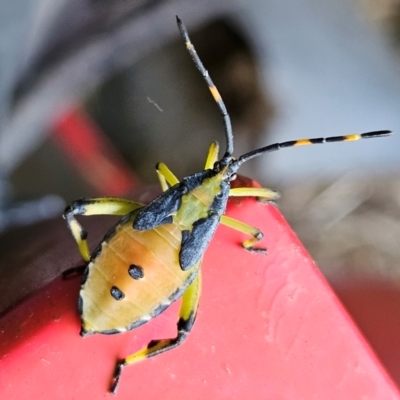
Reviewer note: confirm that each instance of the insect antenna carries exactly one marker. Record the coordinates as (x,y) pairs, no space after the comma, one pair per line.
(214,91)
(306,142)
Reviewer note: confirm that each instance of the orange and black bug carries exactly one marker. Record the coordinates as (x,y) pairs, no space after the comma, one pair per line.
(152,257)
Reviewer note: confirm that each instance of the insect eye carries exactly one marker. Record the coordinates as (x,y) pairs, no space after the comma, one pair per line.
(233,177)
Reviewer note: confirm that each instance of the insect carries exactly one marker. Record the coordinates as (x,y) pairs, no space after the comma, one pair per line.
(152,257)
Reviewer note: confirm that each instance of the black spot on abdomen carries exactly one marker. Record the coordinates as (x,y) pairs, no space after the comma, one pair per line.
(116,293)
(136,271)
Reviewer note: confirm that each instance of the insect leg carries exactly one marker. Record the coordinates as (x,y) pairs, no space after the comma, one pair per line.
(165,176)
(187,316)
(94,206)
(244,228)
(212,155)
(264,194)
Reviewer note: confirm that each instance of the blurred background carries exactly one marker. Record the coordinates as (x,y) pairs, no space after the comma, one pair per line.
(94,93)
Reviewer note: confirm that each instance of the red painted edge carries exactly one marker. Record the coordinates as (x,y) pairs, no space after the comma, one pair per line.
(268,327)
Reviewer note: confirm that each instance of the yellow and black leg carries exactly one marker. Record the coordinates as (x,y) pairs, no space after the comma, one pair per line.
(212,155)
(165,176)
(262,194)
(187,316)
(94,206)
(256,234)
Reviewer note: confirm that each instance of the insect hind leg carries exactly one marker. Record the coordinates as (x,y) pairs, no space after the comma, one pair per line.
(264,195)
(187,316)
(256,234)
(94,206)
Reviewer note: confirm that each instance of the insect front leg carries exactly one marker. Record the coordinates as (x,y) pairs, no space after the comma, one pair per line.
(94,206)
(187,316)
(212,155)
(264,194)
(165,176)
(248,229)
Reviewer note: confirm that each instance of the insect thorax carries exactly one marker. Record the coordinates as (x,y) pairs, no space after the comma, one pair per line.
(209,197)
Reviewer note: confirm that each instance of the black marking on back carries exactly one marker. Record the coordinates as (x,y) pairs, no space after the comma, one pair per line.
(80,305)
(185,235)
(127,217)
(96,251)
(155,213)
(196,241)
(174,296)
(136,324)
(177,294)
(84,332)
(167,220)
(111,332)
(85,275)
(116,293)
(193,181)
(111,233)
(136,271)
(220,200)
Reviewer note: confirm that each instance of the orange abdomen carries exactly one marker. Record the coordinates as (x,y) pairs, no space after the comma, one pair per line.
(135,276)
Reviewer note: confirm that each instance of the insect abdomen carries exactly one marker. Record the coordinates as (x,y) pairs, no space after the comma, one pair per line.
(134,277)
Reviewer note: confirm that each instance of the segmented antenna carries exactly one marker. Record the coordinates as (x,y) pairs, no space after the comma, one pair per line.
(227,121)
(307,142)
(214,91)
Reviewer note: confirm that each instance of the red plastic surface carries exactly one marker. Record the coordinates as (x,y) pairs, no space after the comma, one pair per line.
(374,304)
(268,327)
